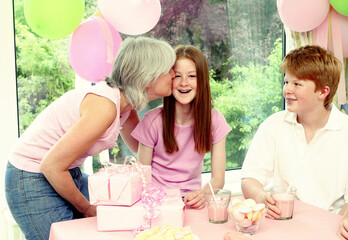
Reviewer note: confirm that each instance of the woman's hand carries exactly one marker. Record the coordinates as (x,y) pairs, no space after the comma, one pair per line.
(195,199)
(90,211)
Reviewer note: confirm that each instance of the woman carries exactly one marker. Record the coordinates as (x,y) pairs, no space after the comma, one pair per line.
(173,139)
(43,181)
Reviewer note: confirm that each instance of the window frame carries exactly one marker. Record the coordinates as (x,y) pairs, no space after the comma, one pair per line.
(8,104)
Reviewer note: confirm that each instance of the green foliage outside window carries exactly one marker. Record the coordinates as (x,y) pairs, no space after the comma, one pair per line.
(43,69)
(253,95)
(245,81)
(43,73)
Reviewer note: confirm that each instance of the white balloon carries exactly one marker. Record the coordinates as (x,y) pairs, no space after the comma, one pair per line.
(132,17)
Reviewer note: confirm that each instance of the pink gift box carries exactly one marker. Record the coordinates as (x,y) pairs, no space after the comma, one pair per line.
(113,218)
(112,187)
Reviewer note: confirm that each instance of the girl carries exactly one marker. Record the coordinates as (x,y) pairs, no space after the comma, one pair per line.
(173,139)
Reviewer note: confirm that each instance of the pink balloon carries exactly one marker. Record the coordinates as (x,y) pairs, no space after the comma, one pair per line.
(92,49)
(303,15)
(131,17)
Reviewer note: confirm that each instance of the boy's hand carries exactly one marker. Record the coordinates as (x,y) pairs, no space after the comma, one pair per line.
(272,212)
(342,231)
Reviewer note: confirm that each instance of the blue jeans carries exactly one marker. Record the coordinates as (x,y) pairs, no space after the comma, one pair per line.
(35,205)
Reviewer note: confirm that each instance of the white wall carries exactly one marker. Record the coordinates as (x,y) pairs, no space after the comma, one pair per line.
(232,181)
(8,105)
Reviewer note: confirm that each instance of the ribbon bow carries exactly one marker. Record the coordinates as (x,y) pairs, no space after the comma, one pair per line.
(133,167)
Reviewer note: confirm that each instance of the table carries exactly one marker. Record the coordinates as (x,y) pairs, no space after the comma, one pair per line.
(309,222)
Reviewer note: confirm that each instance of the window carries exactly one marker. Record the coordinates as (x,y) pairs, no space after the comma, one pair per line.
(242,41)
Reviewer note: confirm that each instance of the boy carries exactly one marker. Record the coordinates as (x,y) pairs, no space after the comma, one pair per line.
(304,145)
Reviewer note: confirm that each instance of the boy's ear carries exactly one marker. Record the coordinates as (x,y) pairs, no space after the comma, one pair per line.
(324,92)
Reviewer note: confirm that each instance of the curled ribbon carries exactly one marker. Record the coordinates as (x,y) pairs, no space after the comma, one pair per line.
(150,199)
(133,167)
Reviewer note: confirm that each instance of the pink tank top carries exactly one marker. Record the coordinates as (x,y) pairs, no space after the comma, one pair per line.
(53,122)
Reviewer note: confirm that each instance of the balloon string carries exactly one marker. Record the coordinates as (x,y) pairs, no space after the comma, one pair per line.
(338,52)
(107,36)
(329,26)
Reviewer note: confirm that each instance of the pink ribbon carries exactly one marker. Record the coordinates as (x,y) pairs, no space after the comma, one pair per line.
(109,188)
(150,199)
(328,35)
(338,51)
(134,167)
(321,33)
(107,36)
(109,172)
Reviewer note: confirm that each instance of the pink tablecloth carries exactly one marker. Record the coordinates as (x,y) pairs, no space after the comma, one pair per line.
(309,223)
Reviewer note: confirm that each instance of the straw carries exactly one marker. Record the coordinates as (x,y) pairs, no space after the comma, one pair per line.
(212,191)
(289,188)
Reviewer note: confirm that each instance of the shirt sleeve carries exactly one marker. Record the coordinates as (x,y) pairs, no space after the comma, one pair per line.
(346,194)
(259,161)
(146,132)
(220,127)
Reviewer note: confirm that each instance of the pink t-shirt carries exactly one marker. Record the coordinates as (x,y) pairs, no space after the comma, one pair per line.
(180,169)
(53,122)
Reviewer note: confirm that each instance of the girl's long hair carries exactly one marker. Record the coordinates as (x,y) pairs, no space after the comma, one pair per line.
(201,105)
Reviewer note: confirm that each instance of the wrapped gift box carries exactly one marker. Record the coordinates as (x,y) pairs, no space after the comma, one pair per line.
(113,218)
(118,185)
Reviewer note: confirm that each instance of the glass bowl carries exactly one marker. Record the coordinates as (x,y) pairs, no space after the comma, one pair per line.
(247,215)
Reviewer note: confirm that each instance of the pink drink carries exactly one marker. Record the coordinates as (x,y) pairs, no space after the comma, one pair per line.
(217,201)
(217,213)
(285,203)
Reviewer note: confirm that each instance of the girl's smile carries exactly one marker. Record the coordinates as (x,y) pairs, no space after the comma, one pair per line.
(185,81)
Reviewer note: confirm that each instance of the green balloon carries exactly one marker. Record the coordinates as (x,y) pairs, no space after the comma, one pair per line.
(53,19)
(340,6)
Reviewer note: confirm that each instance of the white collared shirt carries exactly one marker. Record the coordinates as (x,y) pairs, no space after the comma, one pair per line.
(319,170)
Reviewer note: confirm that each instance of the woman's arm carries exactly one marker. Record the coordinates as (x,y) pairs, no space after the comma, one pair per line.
(145,154)
(96,115)
(127,129)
